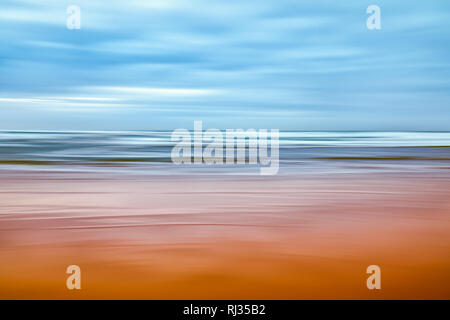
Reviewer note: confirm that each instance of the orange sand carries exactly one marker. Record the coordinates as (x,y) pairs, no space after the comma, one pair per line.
(300,237)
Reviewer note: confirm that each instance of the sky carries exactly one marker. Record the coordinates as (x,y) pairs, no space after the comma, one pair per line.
(279,64)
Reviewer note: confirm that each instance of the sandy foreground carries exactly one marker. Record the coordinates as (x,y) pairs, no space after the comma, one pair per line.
(219,237)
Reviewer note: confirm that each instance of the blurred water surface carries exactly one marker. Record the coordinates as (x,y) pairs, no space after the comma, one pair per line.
(150,150)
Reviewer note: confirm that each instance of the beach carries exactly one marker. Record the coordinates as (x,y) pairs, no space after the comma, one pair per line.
(154,231)
(214,237)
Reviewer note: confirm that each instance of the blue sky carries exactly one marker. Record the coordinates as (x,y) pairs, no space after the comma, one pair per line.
(286,64)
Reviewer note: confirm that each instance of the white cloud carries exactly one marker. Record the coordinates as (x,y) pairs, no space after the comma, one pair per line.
(162,91)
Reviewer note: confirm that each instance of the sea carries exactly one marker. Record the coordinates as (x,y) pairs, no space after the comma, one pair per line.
(149,152)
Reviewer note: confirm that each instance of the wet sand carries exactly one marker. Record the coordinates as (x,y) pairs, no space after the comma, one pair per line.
(217,237)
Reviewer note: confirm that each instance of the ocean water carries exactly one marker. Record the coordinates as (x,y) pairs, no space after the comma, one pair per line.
(150,151)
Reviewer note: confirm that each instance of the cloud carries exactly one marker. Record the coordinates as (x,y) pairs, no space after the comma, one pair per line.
(160,91)
(285,63)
